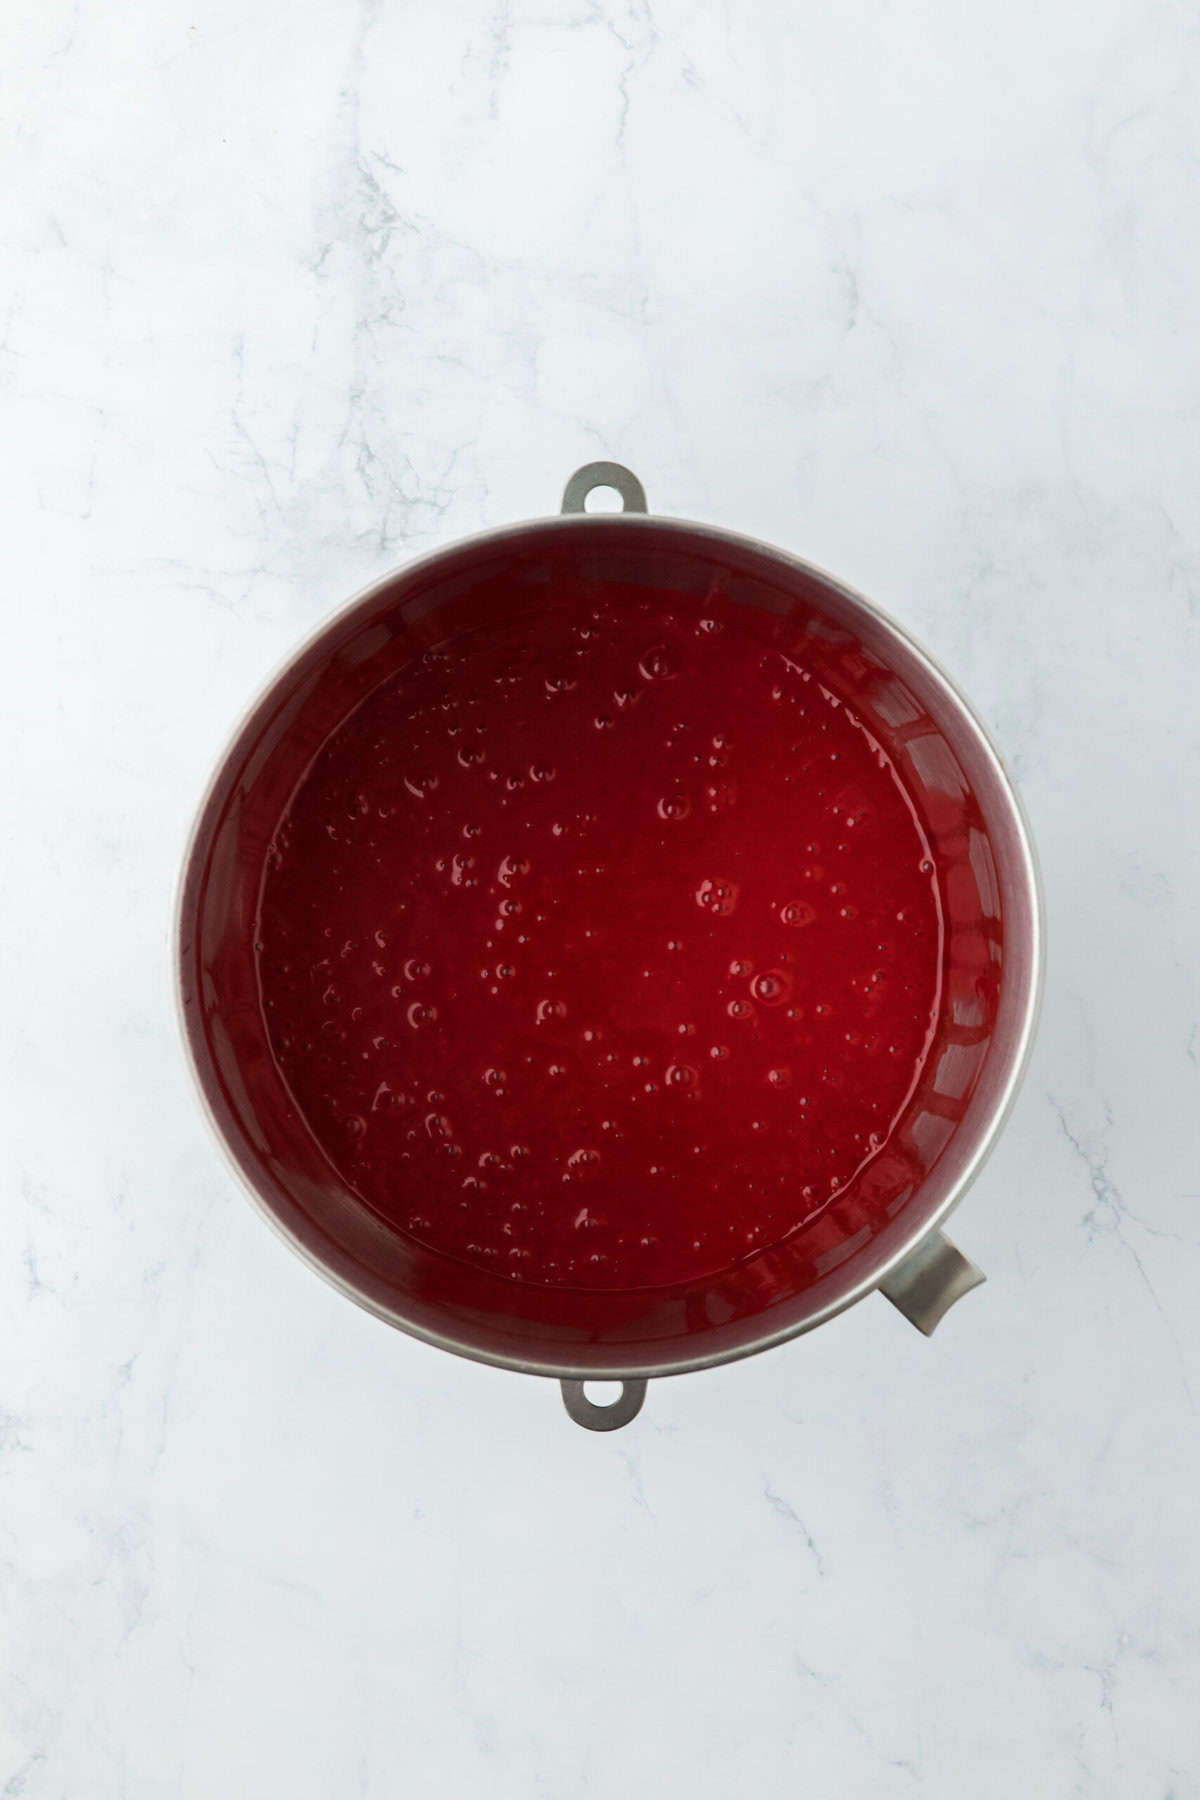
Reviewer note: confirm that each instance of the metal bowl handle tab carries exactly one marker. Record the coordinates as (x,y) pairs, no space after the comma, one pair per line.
(594,1417)
(604,474)
(930,1279)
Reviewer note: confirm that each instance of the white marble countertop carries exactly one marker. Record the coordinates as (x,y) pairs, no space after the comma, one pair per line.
(292,293)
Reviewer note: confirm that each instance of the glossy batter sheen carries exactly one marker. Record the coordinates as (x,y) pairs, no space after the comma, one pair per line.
(600,954)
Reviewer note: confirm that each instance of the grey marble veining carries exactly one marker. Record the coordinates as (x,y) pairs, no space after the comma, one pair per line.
(292,294)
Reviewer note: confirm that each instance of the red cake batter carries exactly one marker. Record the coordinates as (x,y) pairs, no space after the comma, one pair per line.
(600,951)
